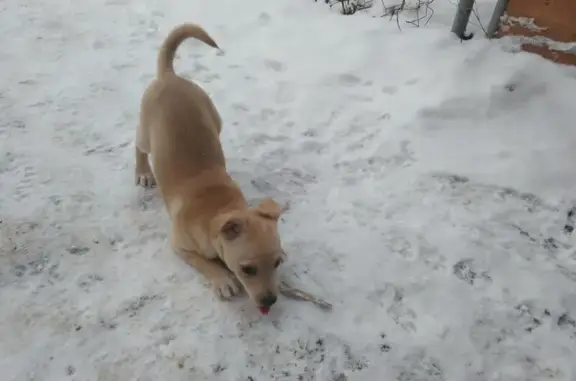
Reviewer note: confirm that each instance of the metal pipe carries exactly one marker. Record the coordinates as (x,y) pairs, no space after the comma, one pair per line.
(499,10)
(461,19)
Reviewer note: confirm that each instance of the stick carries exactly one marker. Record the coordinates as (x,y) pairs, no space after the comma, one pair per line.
(297,294)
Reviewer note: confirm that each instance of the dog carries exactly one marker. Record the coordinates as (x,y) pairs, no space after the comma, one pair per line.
(236,247)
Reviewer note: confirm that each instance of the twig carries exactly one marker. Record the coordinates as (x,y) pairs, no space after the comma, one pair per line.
(295,293)
(477,16)
(395,10)
(427,8)
(349,7)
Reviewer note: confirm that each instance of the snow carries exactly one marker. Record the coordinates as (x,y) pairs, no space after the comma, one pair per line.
(428,182)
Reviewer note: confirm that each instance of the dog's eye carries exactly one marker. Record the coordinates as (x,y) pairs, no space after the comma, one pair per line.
(277,263)
(249,270)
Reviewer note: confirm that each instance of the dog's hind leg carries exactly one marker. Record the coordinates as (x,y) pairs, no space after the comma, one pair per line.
(143,172)
(143,176)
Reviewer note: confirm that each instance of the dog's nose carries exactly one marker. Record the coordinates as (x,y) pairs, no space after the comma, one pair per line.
(268,300)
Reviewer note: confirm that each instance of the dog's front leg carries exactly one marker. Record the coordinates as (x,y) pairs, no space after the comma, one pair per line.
(224,283)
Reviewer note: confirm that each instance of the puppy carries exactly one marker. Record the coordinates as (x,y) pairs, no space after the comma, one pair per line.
(213,229)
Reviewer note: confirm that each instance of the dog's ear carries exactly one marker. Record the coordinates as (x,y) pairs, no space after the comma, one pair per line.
(232,228)
(229,226)
(268,208)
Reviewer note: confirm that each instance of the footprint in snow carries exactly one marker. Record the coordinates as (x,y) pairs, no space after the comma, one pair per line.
(391,90)
(466,271)
(274,65)
(412,81)
(264,18)
(348,79)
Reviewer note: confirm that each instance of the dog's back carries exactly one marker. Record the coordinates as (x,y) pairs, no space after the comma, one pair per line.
(192,144)
(180,124)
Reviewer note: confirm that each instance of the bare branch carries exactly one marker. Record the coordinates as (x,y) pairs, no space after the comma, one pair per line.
(421,8)
(349,7)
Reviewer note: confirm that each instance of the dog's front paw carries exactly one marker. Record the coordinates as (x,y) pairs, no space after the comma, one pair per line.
(226,286)
(145,179)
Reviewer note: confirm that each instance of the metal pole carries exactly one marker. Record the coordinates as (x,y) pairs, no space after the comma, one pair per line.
(461,19)
(499,10)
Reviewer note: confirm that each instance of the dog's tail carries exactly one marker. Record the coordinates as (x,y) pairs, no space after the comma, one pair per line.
(174,39)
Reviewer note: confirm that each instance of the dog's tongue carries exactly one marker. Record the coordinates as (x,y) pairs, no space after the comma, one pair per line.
(264,310)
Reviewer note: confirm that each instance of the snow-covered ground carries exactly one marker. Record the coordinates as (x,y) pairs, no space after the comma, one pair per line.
(428,179)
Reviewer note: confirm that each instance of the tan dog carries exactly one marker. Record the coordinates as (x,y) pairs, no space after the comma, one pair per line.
(213,229)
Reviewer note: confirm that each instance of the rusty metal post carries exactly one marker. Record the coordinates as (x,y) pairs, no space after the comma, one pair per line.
(499,10)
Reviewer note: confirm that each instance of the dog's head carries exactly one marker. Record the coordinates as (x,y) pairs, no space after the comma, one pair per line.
(249,244)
